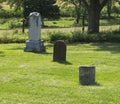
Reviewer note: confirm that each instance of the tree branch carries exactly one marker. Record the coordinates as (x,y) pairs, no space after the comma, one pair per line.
(85,3)
(73,2)
(103,4)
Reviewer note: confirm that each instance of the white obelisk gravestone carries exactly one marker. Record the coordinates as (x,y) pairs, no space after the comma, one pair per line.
(34,42)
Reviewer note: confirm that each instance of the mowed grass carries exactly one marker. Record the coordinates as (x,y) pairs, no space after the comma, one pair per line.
(32,78)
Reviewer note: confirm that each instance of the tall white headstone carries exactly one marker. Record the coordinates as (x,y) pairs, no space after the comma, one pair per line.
(34,26)
(34,42)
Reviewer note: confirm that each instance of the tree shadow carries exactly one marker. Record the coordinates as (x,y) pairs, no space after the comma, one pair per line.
(22,48)
(111,47)
(45,53)
(2,54)
(16,48)
(4,29)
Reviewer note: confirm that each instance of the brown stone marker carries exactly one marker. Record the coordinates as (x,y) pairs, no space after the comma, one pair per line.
(87,75)
(59,52)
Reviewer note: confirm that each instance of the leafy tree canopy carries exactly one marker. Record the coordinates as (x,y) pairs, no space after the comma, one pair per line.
(47,8)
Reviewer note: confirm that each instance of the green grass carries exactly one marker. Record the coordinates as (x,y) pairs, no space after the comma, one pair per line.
(63,22)
(10,23)
(109,22)
(31,78)
(69,22)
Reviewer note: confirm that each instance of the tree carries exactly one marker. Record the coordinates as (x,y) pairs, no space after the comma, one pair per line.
(77,9)
(46,8)
(113,7)
(116,7)
(94,8)
(109,5)
(75,4)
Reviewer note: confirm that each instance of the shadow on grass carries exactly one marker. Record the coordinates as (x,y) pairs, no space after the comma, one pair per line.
(4,29)
(111,47)
(94,84)
(63,62)
(22,48)
(45,53)
(2,54)
(16,48)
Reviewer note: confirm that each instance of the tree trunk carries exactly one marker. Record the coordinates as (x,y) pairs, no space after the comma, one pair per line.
(109,9)
(83,23)
(42,22)
(23,26)
(93,18)
(77,15)
(94,8)
(77,10)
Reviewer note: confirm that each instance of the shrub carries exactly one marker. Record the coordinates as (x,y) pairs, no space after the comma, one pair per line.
(78,37)
(68,37)
(2,21)
(13,38)
(54,36)
(15,24)
(99,37)
(10,14)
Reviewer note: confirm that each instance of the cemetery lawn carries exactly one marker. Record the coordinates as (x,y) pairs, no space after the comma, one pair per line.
(32,78)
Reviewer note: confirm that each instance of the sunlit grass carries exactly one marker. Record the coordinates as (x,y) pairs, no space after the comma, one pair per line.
(63,22)
(70,29)
(13,23)
(32,78)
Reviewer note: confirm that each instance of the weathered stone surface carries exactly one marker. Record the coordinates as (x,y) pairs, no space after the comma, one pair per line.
(34,42)
(34,26)
(87,75)
(34,46)
(59,53)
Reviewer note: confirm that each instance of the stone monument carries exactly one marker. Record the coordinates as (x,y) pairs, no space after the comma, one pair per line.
(59,53)
(34,42)
(87,75)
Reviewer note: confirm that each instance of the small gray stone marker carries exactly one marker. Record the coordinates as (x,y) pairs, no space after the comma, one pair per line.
(87,75)
(34,42)
(59,52)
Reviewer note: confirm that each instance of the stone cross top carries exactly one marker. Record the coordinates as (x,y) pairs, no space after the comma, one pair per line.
(34,42)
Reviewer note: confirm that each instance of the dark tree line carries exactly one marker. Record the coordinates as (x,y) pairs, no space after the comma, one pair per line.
(93,10)
(48,9)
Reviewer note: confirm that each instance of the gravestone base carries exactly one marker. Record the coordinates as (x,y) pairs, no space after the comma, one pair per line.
(34,46)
